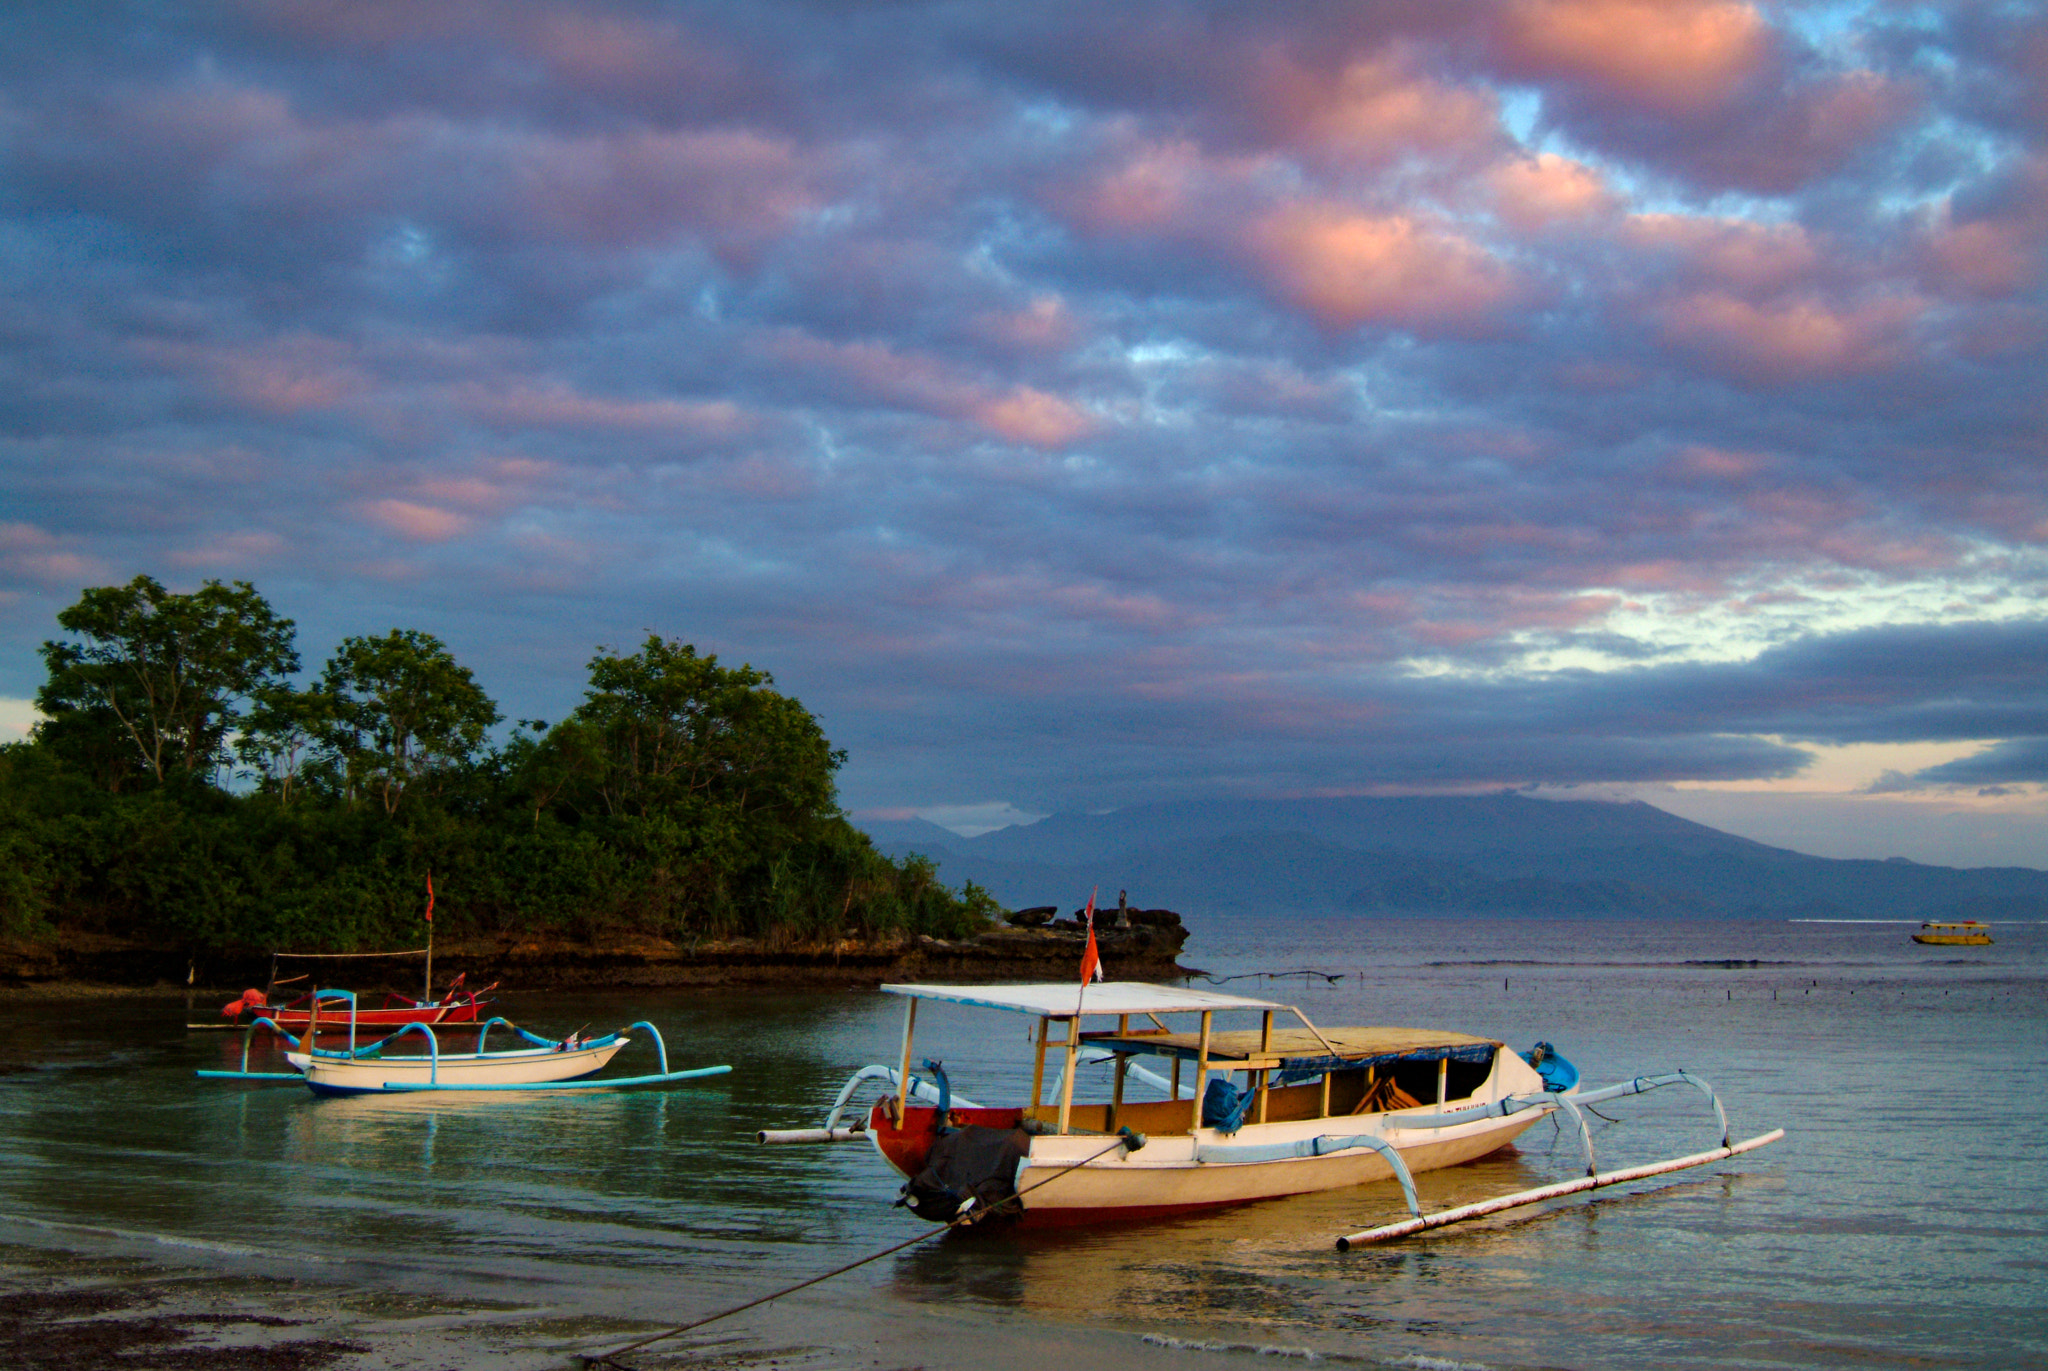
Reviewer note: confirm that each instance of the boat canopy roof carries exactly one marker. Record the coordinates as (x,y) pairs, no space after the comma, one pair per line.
(1061,999)
(1300,1050)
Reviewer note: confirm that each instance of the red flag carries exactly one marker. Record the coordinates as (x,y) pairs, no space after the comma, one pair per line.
(1091,961)
(430,897)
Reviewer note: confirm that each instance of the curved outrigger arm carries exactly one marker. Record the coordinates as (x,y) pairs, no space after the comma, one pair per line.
(833,1131)
(1226,1154)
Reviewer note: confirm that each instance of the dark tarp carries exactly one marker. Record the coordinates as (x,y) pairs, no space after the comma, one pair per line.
(971,1163)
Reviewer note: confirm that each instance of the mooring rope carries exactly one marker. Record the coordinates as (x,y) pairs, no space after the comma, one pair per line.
(966,1217)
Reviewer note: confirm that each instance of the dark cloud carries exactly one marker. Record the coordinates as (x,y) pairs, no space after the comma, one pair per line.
(2015,761)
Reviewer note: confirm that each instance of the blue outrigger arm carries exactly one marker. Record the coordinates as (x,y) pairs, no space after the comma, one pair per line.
(1229,1153)
(663,1077)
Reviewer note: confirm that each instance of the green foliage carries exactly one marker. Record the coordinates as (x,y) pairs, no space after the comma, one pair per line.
(682,799)
(395,711)
(156,677)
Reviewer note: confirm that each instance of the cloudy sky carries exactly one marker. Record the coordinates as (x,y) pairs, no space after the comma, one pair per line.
(1076,404)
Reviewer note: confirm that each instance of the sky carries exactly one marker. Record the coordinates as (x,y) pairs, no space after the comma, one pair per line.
(1080,404)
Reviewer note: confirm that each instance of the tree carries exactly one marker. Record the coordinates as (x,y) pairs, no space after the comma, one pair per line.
(399,709)
(548,763)
(161,674)
(278,733)
(673,730)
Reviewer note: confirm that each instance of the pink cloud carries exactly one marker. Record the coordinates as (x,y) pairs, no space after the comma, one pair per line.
(1730,253)
(1883,552)
(604,52)
(34,554)
(646,185)
(1346,269)
(278,376)
(1991,259)
(1375,110)
(1791,340)
(1157,184)
(468,492)
(1537,192)
(1718,464)
(420,523)
(882,374)
(1153,613)
(1033,417)
(1676,57)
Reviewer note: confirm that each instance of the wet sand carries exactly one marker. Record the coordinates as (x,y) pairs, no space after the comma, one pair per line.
(73,1311)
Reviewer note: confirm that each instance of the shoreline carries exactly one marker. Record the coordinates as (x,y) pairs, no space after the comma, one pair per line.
(85,966)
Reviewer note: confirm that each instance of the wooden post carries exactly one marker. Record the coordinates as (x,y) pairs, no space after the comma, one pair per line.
(1123,1065)
(1326,1094)
(1067,1075)
(1038,1066)
(903,1074)
(1201,1069)
(1443,1077)
(1265,1075)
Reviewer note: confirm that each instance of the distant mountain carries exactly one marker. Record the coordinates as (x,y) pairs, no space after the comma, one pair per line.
(908,835)
(1497,854)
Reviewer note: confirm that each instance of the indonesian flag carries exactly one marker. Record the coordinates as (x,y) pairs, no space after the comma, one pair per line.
(1091,961)
(430,897)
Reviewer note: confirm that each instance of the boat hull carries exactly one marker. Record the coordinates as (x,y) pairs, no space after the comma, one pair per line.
(1954,939)
(1064,1182)
(336,1020)
(375,1075)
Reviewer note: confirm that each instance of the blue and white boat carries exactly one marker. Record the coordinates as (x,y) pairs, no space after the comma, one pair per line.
(540,1063)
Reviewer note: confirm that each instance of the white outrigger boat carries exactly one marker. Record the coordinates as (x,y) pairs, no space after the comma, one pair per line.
(1318,1109)
(542,1064)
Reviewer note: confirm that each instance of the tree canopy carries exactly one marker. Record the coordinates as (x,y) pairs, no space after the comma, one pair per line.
(162,673)
(681,798)
(397,710)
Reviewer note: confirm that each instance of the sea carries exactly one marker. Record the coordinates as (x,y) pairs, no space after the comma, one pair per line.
(1901,1222)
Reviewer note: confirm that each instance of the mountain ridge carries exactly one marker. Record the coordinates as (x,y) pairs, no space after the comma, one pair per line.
(1505,854)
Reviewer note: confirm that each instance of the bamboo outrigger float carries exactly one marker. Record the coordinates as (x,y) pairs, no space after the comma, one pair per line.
(1318,1109)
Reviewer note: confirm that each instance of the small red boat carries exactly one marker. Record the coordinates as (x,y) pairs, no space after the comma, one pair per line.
(457,1006)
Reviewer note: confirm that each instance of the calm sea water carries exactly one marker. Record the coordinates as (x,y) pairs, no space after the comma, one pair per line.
(1903,1221)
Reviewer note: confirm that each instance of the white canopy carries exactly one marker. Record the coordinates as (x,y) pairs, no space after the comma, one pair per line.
(1059,999)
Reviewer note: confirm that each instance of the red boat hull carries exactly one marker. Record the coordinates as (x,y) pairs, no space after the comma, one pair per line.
(396,1012)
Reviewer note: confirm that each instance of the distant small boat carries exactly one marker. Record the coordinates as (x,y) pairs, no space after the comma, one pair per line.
(1962,933)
